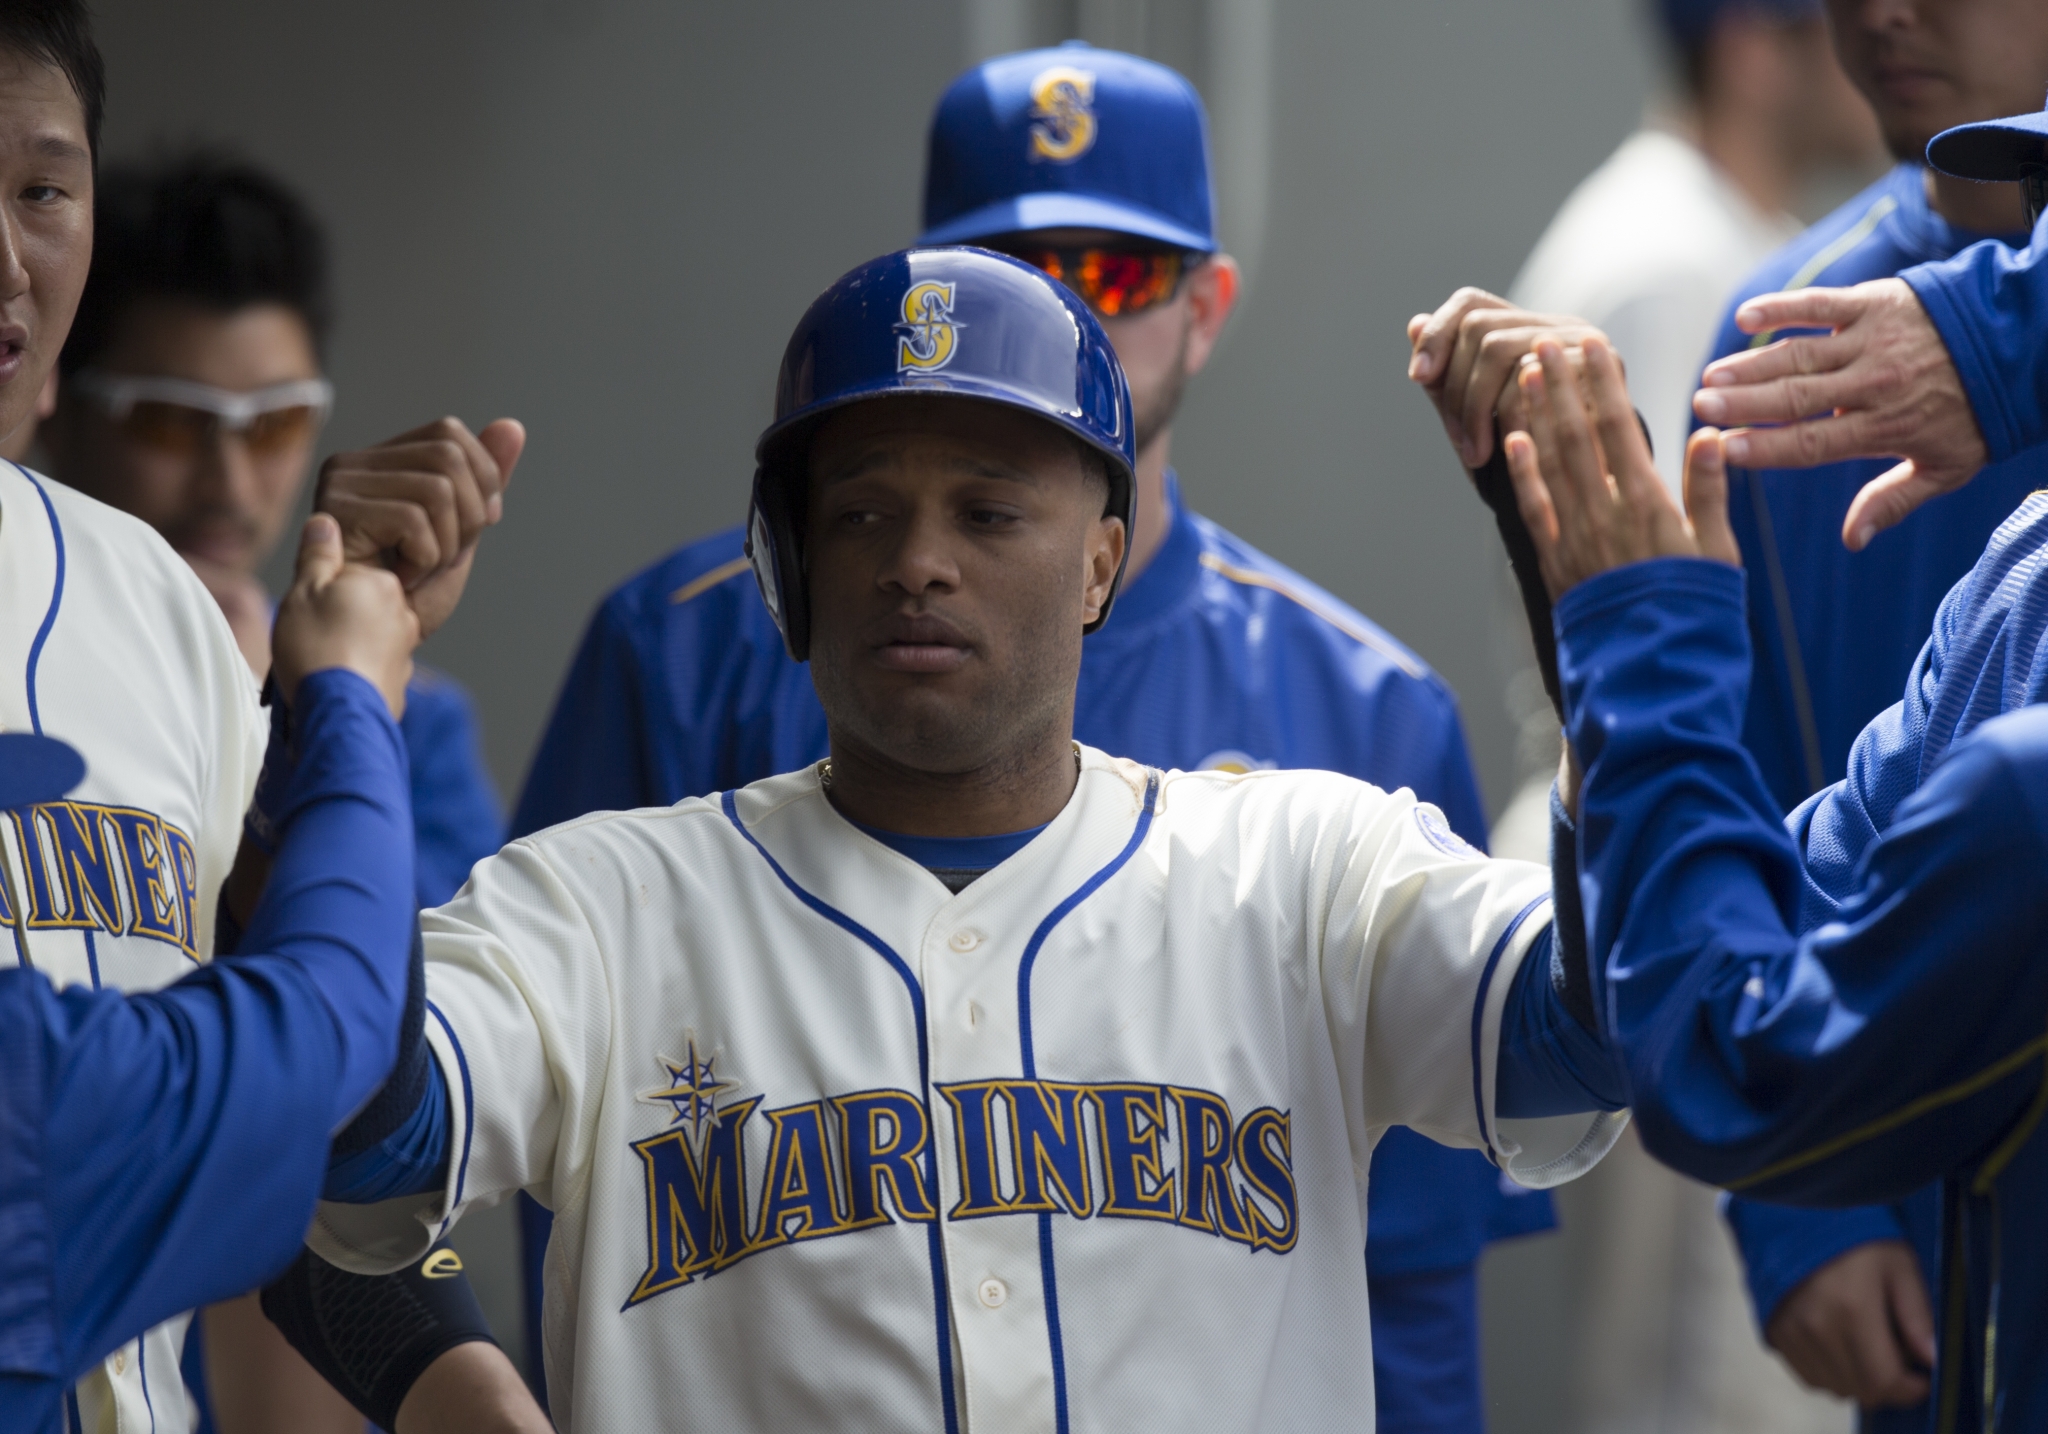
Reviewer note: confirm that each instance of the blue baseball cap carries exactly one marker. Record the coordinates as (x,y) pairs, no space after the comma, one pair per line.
(1688,22)
(1990,150)
(1070,138)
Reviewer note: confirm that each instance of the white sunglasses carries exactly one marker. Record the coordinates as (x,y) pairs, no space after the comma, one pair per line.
(118,395)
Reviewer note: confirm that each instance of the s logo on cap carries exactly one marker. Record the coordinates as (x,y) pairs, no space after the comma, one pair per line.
(1060,100)
(927,333)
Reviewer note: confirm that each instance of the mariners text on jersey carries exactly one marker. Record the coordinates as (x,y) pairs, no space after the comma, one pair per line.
(94,867)
(1118,1149)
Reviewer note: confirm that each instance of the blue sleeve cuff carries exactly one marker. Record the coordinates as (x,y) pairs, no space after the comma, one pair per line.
(1655,578)
(1975,299)
(1549,1063)
(412,1160)
(1782,1246)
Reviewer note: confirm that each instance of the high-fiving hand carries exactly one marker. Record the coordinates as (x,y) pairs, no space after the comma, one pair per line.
(343,614)
(1465,356)
(418,503)
(1880,384)
(1584,480)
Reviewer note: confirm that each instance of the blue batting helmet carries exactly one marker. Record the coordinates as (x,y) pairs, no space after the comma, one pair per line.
(956,321)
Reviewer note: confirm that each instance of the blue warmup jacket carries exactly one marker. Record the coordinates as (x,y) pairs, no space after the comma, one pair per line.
(456,819)
(162,1151)
(1849,1005)
(1215,656)
(1835,633)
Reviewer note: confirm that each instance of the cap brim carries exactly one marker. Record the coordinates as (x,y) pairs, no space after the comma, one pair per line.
(36,769)
(1063,209)
(1992,150)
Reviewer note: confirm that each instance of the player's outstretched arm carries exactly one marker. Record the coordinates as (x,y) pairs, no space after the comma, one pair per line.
(1879,383)
(1837,1067)
(145,1207)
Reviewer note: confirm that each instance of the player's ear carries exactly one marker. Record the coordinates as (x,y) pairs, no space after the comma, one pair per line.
(1106,541)
(1212,287)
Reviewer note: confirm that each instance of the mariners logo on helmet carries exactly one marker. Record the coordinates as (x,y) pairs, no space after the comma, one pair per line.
(929,333)
(1060,101)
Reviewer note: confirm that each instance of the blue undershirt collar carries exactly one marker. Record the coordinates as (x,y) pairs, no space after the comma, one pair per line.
(954,853)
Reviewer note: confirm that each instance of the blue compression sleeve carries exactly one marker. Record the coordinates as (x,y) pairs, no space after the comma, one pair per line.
(163,1151)
(412,1160)
(1990,305)
(1864,1058)
(1549,1063)
(340,914)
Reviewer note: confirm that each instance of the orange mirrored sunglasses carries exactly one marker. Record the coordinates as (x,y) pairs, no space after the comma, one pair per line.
(1113,282)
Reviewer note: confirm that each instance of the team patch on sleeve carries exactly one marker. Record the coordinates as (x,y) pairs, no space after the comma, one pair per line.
(1437,831)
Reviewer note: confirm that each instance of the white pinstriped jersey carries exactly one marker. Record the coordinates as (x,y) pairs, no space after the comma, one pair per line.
(109,642)
(1084,1146)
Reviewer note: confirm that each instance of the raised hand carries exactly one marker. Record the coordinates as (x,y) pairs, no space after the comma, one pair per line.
(1584,481)
(343,614)
(1879,384)
(418,503)
(1465,356)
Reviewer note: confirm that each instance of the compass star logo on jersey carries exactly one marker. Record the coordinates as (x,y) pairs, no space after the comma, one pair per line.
(692,1091)
(929,333)
(1062,106)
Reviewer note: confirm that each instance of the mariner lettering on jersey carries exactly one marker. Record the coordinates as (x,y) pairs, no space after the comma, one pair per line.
(118,870)
(1127,1150)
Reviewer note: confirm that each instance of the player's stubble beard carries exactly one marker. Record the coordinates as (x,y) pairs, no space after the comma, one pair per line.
(990,724)
(1153,408)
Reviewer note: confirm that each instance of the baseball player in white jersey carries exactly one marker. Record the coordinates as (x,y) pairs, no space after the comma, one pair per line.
(971,1078)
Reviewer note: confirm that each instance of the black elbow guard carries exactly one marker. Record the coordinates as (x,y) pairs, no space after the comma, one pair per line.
(373,1336)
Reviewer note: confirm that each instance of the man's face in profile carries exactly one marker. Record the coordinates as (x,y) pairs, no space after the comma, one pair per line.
(45,226)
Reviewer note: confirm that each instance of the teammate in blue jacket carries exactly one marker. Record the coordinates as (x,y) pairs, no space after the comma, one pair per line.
(124,1211)
(1949,419)
(1767,993)
(1092,165)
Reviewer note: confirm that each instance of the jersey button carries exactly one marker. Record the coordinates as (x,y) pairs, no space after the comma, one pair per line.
(964,940)
(993,1292)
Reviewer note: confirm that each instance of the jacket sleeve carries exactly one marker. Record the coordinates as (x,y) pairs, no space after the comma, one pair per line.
(591,758)
(1846,1065)
(1990,305)
(456,818)
(163,1151)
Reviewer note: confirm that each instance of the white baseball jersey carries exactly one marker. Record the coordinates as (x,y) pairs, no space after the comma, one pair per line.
(1083,1146)
(108,641)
